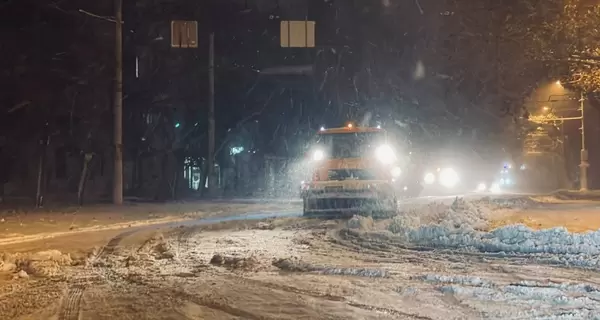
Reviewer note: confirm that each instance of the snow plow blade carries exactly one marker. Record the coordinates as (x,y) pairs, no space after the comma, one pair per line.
(347,206)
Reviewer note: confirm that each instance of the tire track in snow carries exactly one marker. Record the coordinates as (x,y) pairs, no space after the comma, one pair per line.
(71,304)
(114,242)
(285,288)
(388,311)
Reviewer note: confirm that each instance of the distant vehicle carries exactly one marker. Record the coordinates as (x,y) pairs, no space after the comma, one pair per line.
(353,171)
(506,180)
(452,173)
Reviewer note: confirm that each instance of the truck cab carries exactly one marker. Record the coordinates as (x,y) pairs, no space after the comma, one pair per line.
(353,171)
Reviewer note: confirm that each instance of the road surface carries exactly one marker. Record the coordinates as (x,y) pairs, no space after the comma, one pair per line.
(273,264)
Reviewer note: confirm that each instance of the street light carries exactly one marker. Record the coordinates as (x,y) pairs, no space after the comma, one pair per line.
(584,164)
(558,83)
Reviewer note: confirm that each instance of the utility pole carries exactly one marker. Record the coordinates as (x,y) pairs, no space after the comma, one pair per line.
(583,166)
(118,107)
(40,190)
(211,114)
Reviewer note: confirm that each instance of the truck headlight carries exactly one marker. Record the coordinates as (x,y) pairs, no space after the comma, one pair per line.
(429,178)
(385,154)
(448,177)
(318,155)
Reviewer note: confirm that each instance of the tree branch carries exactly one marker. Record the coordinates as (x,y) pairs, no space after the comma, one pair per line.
(248,118)
(111,19)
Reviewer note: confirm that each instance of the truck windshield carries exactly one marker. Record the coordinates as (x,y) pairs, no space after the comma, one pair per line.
(351,145)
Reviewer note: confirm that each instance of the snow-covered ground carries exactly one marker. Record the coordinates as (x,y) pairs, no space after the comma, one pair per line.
(524,299)
(432,261)
(532,283)
(463,226)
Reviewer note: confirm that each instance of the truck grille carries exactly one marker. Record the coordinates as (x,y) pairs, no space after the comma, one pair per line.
(350,174)
(352,203)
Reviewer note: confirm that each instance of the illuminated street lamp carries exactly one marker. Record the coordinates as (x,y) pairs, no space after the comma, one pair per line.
(584,164)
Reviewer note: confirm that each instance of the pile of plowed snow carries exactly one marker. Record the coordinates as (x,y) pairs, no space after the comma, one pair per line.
(473,215)
(463,226)
(48,263)
(528,299)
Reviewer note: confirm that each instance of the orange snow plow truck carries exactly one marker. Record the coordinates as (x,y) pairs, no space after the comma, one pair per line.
(353,172)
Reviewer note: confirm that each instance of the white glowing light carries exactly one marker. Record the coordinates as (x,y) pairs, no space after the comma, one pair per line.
(318,155)
(429,178)
(236,150)
(322,128)
(396,172)
(385,154)
(481,187)
(448,177)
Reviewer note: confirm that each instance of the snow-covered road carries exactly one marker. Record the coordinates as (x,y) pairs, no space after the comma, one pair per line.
(438,258)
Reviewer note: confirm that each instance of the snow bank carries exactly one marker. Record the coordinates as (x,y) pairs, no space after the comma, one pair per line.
(523,300)
(456,279)
(474,214)
(462,226)
(48,263)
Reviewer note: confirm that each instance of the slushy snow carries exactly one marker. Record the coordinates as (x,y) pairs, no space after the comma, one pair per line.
(462,225)
(521,300)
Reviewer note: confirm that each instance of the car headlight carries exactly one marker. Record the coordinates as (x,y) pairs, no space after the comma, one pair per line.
(448,177)
(385,154)
(481,187)
(396,172)
(318,155)
(429,178)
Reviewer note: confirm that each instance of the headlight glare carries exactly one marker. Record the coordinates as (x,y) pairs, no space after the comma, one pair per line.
(318,155)
(396,172)
(385,154)
(481,187)
(448,177)
(429,178)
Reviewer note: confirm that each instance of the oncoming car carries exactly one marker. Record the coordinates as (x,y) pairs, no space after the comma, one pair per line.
(441,180)
(453,175)
(353,169)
